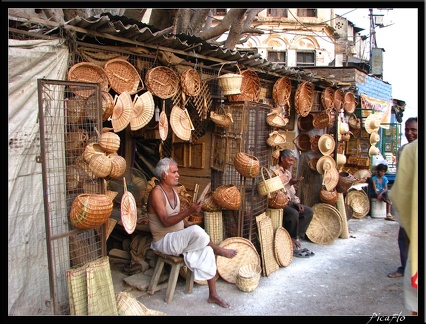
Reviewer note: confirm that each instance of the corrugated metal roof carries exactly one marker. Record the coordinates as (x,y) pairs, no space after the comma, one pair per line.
(130,29)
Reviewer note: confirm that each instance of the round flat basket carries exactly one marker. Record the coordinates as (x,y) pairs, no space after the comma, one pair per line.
(247,254)
(281,91)
(87,72)
(180,123)
(191,82)
(326,224)
(321,120)
(250,87)
(283,247)
(304,98)
(123,76)
(129,212)
(327,98)
(359,202)
(162,82)
(339,98)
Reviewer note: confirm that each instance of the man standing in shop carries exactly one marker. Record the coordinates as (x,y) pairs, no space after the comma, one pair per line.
(403,240)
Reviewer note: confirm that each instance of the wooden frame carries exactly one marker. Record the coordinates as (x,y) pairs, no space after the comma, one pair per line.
(180,153)
(196,155)
(219,152)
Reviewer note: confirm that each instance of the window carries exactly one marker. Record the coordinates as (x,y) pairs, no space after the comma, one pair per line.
(305,59)
(306,12)
(277,12)
(277,56)
(219,12)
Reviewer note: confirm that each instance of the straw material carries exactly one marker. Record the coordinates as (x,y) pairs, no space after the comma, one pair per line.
(374,138)
(339,99)
(330,179)
(107,105)
(341,207)
(213,225)
(325,226)
(283,247)
(324,163)
(281,91)
(90,210)
(92,149)
(109,141)
(129,212)
(276,120)
(221,120)
(373,150)
(276,216)
(303,142)
(227,196)
(372,122)
(276,138)
(314,143)
(250,87)
(208,204)
(118,165)
(346,180)
(87,72)
(362,175)
(123,76)
(270,184)
(76,141)
(305,124)
(162,82)
(266,238)
(248,277)
(75,109)
(278,199)
(122,112)
(191,82)
(100,165)
(321,120)
(304,98)
(327,98)
(228,267)
(163,126)
(128,305)
(230,83)
(349,103)
(247,165)
(354,122)
(74,177)
(142,111)
(328,197)
(180,123)
(358,200)
(326,144)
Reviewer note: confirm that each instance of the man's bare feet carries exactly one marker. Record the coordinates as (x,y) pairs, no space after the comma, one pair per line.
(219,301)
(227,253)
(296,244)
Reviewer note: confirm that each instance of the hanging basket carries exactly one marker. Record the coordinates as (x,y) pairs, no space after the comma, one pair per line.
(247,165)
(90,210)
(345,182)
(269,184)
(278,199)
(230,83)
(227,196)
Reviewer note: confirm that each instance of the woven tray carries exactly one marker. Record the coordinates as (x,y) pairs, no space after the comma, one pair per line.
(162,81)
(327,98)
(359,202)
(266,237)
(123,76)
(283,247)
(326,225)
(304,98)
(87,72)
(281,91)
(247,254)
(250,87)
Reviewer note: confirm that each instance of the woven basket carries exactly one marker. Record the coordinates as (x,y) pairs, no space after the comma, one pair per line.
(339,99)
(92,149)
(100,165)
(90,210)
(276,138)
(278,199)
(346,180)
(327,98)
(276,120)
(118,165)
(248,277)
(123,76)
(326,225)
(305,124)
(213,224)
(281,91)
(75,109)
(349,103)
(162,82)
(230,83)
(227,196)
(247,165)
(269,185)
(303,142)
(74,177)
(321,120)
(191,82)
(328,197)
(276,216)
(87,72)
(109,141)
(250,87)
(221,120)
(76,141)
(208,204)
(354,122)
(304,98)
(358,200)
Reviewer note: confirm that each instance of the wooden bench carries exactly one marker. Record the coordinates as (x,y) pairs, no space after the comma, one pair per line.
(176,262)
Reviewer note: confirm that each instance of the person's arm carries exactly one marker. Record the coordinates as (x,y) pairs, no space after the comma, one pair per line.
(157,205)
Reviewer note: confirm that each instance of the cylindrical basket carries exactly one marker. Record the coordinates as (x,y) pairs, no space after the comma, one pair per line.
(213,224)
(230,83)
(248,277)
(90,210)
(247,165)
(270,184)
(227,196)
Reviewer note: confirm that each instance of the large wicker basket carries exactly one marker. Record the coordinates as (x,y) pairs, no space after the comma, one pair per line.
(123,76)
(162,81)
(247,165)
(227,196)
(250,87)
(90,210)
(87,72)
(269,184)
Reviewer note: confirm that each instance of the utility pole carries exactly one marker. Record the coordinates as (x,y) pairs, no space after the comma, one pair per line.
(372,39)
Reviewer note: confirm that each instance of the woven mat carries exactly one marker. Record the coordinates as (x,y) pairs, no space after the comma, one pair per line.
(247,254)
(326,224)
(276,216)
(341,207)
(283,247)
(266,236)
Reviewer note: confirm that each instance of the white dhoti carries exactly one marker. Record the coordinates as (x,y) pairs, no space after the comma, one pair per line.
(191,242)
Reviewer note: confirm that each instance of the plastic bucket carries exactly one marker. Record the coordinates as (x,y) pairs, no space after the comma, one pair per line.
(378,208)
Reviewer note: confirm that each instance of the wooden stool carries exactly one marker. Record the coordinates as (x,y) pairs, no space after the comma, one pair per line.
(176,263)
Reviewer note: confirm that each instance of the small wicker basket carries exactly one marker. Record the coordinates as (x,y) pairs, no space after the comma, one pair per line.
(221,120)
(109,141)
(100,165)
(208,204)
(118,165)
(247,165)
(227,196)
(162,81)
(278,199)
(90,210)
(248,277)
(269,185)
(230,83)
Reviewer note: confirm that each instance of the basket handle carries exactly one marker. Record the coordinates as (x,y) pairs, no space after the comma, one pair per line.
(267,171)
(218,73)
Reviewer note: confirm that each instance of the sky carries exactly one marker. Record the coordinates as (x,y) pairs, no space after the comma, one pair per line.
(399,39)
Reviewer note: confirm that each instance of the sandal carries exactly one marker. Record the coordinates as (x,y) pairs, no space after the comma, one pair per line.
(301,253)
(309,252)
(395,275)
(389,217)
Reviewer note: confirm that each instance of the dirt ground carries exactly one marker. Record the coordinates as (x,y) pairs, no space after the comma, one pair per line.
(345,278)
